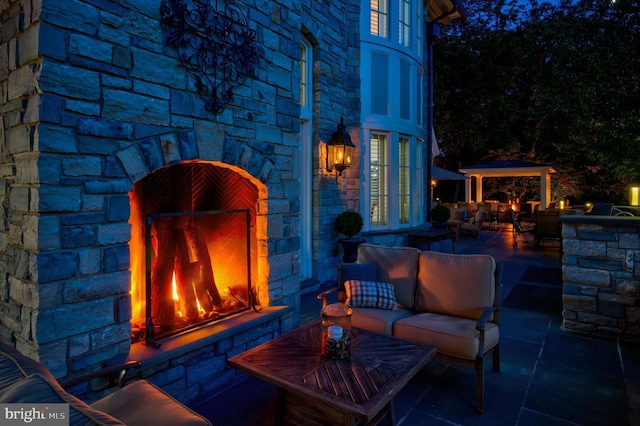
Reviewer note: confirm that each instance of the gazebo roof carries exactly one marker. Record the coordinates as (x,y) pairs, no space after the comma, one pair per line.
(507,168)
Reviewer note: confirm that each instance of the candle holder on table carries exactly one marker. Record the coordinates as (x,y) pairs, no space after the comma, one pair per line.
(336,331)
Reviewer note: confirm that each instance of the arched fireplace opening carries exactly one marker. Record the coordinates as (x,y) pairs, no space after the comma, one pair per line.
(193,245)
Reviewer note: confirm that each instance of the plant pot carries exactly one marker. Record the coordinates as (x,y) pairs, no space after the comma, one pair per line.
(350,249)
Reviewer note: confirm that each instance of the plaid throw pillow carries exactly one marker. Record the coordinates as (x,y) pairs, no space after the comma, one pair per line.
(370,294)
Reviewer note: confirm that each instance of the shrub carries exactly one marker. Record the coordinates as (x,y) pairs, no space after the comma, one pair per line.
(349,223)
(440,213)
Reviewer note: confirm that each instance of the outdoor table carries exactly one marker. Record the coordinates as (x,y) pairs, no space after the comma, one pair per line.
(313,389)
(422,238)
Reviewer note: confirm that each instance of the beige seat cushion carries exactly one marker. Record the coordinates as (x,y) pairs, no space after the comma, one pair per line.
(455,285)
(469,230)
(397,266)
(152,407)
(378,320)
(38,389)
(453,336)
(458,213)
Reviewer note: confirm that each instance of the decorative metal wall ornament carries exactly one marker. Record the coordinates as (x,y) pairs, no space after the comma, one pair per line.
(214,45)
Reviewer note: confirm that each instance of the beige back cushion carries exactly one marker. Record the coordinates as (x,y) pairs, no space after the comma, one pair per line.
(455,284)
(397,266)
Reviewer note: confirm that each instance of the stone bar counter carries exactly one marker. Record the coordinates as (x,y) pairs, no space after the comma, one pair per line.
(601,275)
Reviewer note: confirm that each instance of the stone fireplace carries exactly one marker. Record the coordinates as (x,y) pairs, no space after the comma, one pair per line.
(88,315)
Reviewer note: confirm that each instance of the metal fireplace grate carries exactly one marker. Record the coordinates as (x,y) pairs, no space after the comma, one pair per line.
(199,222)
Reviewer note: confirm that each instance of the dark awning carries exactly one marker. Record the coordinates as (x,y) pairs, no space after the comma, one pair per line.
(438,173)
(445,11)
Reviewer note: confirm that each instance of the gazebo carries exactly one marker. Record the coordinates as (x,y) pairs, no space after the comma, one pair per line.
(508,168)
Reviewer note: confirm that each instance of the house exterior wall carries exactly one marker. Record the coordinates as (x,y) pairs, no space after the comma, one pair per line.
(94,100)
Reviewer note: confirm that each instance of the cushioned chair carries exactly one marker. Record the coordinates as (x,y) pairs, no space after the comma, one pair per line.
(472,227)
(601,209)
(547,227)
(25,381)
(458,214)
(521,229)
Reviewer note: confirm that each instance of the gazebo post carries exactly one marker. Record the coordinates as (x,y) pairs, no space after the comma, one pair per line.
(545,190)
(479,194)
(467,189)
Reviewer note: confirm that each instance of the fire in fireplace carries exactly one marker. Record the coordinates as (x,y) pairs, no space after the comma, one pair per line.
(191,258)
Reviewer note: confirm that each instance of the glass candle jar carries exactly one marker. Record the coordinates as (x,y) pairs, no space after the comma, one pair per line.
(336,331)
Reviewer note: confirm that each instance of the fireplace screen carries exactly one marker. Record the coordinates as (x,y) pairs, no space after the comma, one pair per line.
(198,269)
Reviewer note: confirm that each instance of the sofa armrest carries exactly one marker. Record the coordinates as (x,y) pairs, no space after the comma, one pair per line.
(121,370)
(482,321)
(323,296)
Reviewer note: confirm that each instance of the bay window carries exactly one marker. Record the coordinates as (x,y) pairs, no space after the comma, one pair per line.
(392,192)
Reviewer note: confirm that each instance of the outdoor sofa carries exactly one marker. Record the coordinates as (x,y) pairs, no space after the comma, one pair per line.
(25,381)
(445,300)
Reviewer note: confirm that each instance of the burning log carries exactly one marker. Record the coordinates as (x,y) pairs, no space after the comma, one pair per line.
(183,249)
(205,288)
(186,275)
(162,305)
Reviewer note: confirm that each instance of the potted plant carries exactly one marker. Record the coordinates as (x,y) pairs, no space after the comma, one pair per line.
(349,223)
(440,214)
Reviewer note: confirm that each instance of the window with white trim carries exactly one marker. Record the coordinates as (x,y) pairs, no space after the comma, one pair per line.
(304,76)
(380,83)
(379,18)
(395,177)
(404,23)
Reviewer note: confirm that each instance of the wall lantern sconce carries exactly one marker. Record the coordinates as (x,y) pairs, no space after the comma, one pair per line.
(634,195)
(340,150)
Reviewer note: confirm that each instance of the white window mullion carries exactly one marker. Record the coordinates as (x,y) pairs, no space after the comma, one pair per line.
(404,180)
(417,187)
(393,181)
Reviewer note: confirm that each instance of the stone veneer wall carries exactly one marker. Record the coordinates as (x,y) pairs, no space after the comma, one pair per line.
(92,101)
(601,276)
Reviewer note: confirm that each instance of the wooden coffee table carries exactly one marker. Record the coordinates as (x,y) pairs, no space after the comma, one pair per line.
(316,390)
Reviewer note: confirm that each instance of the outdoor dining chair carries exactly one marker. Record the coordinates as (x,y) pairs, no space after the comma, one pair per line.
(520,229)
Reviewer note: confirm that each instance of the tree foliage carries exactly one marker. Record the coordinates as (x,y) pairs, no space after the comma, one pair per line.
(553,84)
